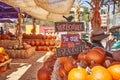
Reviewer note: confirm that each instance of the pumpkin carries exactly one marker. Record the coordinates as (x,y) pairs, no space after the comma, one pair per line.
(44,37)
(3,68)
(28,42)
(43,74)
(99,73)
(6,56)
(54,37)
(62,60)
(4,36)
(99,49)
(107,62)
(115,71)
(2,50)
(42,43)
(32,43)
(77,74)
(39,48)
(2,59)
(65,78)
(49,37)
(61,71)
(25,47)
(69,64)
(37,43)
(52,43)
(95,56)
(47,43)
(81,56)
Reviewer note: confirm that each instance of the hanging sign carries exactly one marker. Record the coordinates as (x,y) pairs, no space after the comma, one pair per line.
(68,51)
(69,26)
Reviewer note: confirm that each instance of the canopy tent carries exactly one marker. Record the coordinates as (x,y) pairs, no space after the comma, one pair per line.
(50,10)
(7,20)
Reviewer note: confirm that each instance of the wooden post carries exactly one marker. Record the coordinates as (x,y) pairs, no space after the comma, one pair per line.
(33,31)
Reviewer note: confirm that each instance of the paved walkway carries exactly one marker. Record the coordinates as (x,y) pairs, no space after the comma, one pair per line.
(23,69)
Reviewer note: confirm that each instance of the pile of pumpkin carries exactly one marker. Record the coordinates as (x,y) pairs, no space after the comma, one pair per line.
(42,45)
(6,36)
(45,71)
(38,36)
(90,65)
(3,57)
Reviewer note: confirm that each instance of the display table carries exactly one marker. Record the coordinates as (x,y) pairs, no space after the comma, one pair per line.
(21,53)
(7,43)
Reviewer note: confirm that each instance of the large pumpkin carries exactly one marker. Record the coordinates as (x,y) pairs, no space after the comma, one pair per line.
(43,74)
(99,49)
(99,73)
(81,56)
(77,74)
(95,56)
(115,71)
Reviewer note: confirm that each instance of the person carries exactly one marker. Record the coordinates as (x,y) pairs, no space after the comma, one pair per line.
(97,35)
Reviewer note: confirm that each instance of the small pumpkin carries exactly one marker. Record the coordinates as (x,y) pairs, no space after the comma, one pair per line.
(61,71)
(3,68)
(25,47)
(43,74)
(32,43)
(2,58)
(115,71)
(4,36)
(69,64)
(2,50)
(37,43)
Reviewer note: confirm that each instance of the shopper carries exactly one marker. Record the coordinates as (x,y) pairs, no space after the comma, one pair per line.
(96,37)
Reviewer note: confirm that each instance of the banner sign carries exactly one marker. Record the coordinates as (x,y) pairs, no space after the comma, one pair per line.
(68,51)
(69,26)
(67,38)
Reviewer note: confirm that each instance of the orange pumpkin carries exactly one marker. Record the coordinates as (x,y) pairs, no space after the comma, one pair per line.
(2,50)
(54,37)
(63,59)
(39,48)
(32,43)
(42,43)
(107,62)
(52,43)
(43,74)
(99,49)
(44,37)
(4,36)
(69,64)
(47,43)
(2,59)
(25,47)
(115,71)
(61,71)
(81,56)
(28,42)
(49,37)
(77,74)
(99,73)
(95,56)
(3,68)
(6,56)
(37,43)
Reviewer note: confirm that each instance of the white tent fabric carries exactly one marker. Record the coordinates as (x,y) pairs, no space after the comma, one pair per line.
(50,10)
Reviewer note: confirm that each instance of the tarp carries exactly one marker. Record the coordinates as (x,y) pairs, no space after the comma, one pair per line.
(50,10)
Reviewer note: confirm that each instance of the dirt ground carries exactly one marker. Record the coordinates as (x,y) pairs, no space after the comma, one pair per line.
(23,69)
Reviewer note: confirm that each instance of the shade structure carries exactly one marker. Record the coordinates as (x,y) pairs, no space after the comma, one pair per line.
(56,8)
(7,21)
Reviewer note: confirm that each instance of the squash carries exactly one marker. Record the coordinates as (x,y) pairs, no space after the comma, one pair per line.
(77,74)
(99,73)
(115,71)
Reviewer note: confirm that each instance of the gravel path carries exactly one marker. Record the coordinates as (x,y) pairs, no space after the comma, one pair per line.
(23,69)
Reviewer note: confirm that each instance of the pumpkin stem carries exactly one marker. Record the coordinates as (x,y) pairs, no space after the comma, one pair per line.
(89,71)
(79,65)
